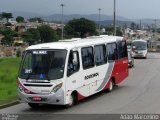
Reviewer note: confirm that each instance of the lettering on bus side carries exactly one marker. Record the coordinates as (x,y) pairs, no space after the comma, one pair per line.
(91,76)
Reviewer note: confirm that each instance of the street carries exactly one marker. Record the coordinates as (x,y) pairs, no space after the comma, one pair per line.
(138,94)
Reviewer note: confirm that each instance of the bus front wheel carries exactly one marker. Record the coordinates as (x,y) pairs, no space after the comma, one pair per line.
(72,100)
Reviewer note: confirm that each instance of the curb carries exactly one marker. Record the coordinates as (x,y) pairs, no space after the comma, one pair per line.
(9,104)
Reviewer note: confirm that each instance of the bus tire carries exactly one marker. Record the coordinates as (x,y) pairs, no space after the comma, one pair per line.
(111,85)
(72,100)
(33,105)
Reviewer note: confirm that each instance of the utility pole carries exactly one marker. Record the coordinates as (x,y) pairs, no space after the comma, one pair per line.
(114,19)
(155,25)
(62,5)
(140,25)
(99,19)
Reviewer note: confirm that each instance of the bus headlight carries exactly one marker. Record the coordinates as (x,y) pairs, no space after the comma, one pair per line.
(20,88)
(23,89)
(56,88)
(144,52)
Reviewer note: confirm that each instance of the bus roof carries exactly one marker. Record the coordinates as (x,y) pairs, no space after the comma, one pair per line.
(139,40)
(77,42)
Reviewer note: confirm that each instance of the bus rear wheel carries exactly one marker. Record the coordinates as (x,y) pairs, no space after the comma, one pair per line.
(111,85)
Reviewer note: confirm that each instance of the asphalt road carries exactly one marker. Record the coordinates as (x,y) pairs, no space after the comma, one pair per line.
(138,94)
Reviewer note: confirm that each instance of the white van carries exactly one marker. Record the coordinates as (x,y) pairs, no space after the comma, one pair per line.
(139,48)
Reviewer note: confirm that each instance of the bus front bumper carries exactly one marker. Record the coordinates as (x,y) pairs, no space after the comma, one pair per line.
(55,98)
(140,55)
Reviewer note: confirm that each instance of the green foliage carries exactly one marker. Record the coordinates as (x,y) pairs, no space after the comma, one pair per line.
(31,36)
(42,34)
(109,31)
(59,33)
(133,26)
(8,78)
(20,19)
(8,36)
(6,15)
(47,34)
(18,53)
(80,28)
(157,30)
(0,16)
(119,32)
(36,19)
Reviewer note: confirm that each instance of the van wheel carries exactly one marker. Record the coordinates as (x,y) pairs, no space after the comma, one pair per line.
(72,101)
(33,105)
(111,84)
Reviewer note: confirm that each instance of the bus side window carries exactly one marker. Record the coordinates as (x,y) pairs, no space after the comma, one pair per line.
(87,57)
(100,54)
(73,63)
(114,48)
(122,50)
(111,52)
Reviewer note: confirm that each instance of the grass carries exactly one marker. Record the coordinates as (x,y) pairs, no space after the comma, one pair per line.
(8,79)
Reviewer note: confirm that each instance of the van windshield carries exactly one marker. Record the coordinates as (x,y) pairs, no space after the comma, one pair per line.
(140,45)
(43,64)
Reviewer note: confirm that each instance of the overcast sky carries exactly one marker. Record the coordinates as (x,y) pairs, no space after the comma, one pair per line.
(127,8)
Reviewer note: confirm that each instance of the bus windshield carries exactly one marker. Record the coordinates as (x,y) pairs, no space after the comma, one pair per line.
(139,45)
(43,64)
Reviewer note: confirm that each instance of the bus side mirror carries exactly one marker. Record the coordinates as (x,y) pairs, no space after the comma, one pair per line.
(23,53)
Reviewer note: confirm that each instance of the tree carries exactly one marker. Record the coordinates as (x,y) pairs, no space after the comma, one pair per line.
(59,33)
(80,28)
(36,19)
(8,36)
(7,16)
(0,16)
(47,34)
(133,25)
(20,19)
(119,31)
(109,31)
(31,36)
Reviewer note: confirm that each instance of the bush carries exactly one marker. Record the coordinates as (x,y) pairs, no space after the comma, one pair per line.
(8,78)
(18,53)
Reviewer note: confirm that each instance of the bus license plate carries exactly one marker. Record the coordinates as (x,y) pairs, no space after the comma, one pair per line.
(37,98)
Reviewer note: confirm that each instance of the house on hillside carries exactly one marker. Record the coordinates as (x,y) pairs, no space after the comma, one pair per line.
(1,52)
(20,27)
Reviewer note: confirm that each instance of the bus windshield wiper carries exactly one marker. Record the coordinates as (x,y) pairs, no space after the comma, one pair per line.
(47,77)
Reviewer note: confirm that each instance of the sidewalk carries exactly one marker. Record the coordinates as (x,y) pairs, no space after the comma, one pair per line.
(11,103)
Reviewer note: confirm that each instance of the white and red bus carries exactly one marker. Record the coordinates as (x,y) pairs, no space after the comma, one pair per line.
(65,72)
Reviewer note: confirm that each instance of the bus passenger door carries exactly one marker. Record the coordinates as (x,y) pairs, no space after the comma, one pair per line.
(74,81)
(122,62)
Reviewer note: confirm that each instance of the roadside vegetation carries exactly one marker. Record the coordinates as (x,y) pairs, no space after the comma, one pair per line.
(8,79)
